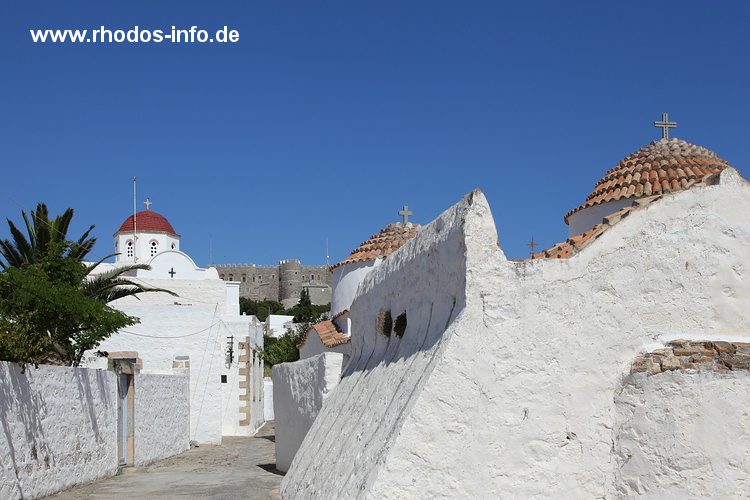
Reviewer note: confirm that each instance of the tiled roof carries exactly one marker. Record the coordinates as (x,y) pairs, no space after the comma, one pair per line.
(329,332)
(576,243)
(148,220)
(382,244)
(663,166)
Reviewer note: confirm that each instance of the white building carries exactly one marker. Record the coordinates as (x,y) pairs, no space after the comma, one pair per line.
(614,365)
(200,330)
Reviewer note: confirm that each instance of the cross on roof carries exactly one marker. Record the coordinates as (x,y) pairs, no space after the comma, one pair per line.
(172,272)
(665,125)
(148,204)
(533,245)
(405,213)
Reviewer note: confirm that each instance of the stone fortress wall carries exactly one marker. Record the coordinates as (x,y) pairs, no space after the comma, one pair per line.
(283,283)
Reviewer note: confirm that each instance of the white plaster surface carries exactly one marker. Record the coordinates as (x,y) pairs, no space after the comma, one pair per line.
(238,386)
(161,417)
(346,280)
(166,331)
(314,346)
(268,399)
(683,435)
(58,427)
(585,219)
(278,324)
(300,389)
(504,383)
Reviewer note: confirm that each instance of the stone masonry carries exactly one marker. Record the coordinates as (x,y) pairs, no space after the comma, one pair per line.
(282,283)
(702,355)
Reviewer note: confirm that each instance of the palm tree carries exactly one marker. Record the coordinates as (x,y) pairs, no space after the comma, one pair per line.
(114,284)
(70,314)
(44,236)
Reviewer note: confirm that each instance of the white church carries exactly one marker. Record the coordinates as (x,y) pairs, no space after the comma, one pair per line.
(614,365)
(199,332)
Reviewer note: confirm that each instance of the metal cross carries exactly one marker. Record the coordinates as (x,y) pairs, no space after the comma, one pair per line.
(148,204)
(665,125)
(405,213)
(532,245)
(172,272)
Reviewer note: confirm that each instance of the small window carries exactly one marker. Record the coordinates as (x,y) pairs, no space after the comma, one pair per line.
(260,278)
(223,379)
(231,277)
(174,246)
(244,278)
(253,279)
(154,247)
(221,276)
(130,248)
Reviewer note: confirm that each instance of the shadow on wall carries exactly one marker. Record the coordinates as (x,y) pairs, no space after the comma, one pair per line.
(19,403)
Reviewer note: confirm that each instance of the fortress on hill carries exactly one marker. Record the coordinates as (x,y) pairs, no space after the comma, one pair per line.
(282,283)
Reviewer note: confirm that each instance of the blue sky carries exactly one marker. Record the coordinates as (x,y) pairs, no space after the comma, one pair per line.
(325,118)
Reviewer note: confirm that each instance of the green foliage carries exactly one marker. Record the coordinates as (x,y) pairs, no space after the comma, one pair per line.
(283,349)
(47,317)
(400,325)
(385,322)
(261,309)
(50,311)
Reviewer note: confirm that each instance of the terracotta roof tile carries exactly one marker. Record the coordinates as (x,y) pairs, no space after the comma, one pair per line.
(663,166)
(329,332)
(382,244)
(148,220)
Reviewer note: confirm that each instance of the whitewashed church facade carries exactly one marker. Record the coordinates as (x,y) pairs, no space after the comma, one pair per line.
(199,332)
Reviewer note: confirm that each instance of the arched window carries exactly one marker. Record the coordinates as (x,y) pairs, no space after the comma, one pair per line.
(244,278)
(154,247)
(174,246)
(129,246)
(231,277)
(221,276)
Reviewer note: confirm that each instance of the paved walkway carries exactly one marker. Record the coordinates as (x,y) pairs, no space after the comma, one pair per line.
(241,468)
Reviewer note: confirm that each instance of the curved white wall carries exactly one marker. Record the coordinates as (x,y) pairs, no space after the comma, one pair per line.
(163,241)
(346,280)
(586,219)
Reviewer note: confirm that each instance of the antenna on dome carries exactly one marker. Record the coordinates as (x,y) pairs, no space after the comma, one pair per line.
(327,256)
(135,235)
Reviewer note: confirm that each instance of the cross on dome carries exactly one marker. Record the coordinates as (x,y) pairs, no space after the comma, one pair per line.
(665,125)
(148,204)
(533,245)
(405,213)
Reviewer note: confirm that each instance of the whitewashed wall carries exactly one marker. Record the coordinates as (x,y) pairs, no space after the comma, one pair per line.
(683,435)
(299,390)
(161,417)
(346,280)
(268,398)
(314,346)
(504,382)
(167,331)
(58,428)
(238,386)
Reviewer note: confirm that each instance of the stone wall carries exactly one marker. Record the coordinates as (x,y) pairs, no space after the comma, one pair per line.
(505,379)
(265,282)
(299,390)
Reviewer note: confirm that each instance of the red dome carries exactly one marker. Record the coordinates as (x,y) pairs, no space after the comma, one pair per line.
(150,221)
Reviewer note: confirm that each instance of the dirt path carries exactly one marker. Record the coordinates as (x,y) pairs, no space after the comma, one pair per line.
(241,468)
